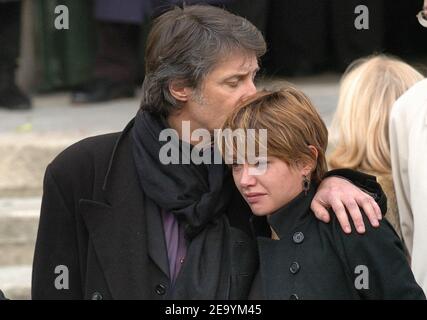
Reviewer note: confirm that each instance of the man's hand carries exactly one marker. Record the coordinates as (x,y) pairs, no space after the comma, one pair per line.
(340,194)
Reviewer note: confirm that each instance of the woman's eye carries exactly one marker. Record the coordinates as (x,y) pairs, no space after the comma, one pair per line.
(236,166)
(261,163)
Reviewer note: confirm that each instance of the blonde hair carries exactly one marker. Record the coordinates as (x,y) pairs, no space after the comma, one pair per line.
(292,124)
(359,128)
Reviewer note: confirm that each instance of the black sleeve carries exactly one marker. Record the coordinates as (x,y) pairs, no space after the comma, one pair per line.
(365,182)
(56,245)
(377,255)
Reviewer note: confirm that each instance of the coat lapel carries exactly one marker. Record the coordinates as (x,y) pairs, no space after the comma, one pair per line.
(123,234)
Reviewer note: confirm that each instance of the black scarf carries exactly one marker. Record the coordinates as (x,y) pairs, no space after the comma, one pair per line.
(198,196)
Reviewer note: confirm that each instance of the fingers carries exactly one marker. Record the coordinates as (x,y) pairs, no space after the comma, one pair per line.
(341,214)
(377,209)
(368,207)
(356,215)
(320,211)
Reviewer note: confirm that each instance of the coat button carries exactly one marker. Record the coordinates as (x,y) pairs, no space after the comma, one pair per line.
(160,289)
(294,296)
(298,237)
(97,296)
(294,268)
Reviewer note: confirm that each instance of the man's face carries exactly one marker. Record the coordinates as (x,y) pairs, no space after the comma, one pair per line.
(229,82)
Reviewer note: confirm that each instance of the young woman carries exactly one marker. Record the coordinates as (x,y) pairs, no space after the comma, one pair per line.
(301,257)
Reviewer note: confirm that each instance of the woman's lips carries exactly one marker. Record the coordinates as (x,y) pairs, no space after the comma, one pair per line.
(253,198)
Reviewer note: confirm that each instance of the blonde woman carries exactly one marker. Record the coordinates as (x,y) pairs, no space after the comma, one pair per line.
(359,131)
(300,256)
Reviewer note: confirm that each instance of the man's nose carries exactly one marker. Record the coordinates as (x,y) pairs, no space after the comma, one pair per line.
(250,88)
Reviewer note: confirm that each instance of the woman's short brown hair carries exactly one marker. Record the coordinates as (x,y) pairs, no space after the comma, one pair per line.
(292,125)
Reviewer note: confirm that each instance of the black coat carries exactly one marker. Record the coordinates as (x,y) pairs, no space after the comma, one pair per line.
(315,260)
(92,221)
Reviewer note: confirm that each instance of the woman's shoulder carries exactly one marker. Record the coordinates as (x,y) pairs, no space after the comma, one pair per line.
(372,242)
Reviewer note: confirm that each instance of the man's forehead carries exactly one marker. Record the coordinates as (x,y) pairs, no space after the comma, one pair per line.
(242,63)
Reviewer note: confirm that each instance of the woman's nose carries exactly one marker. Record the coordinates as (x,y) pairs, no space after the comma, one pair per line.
(247,180)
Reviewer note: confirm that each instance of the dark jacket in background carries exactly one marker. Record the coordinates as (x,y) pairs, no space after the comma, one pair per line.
(315,260)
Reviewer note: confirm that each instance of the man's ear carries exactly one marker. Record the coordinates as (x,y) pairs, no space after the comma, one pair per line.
(179,91)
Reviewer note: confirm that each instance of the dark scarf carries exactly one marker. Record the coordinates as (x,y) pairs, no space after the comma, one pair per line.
(198,195)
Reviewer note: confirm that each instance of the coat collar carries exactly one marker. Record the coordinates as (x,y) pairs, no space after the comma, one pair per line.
(120,226)
(285,219)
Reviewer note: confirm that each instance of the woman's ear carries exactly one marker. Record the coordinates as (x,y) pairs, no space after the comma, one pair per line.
(314,151)
(308,167)
(179,91)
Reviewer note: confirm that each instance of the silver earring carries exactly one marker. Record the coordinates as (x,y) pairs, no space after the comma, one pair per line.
(422,18)
(305,184)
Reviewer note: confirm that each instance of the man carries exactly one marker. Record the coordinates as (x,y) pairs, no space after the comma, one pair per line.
(11,97)
(116,223)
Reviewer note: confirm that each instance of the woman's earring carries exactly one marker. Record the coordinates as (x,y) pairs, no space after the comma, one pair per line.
(305,184)
(422,18)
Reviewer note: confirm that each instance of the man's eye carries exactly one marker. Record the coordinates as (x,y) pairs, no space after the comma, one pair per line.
(233,84)
(254,77)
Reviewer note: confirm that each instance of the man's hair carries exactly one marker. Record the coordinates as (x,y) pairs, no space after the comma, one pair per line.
(359,131)
(185,44)
(292,125)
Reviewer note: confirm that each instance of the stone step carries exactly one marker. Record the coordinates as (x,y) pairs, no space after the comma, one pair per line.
(30,140)
(15,282)
(24,160)
(18,230)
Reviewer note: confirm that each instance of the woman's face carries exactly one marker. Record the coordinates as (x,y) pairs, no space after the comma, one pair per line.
(268,190)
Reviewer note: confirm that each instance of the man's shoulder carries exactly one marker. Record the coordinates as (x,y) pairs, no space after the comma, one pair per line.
(86,153)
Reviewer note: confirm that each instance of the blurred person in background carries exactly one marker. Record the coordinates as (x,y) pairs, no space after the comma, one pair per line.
(408,147)
(307,37)
(120,26)
(359,130)
(115,69)
(11,97)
